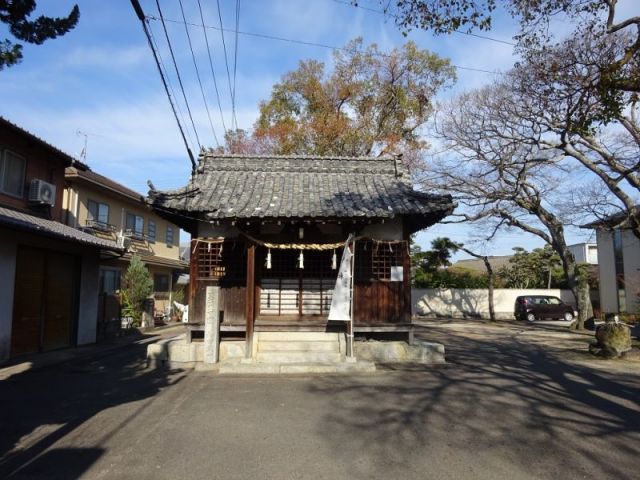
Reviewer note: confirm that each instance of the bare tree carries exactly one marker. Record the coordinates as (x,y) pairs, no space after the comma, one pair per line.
(502,180)
(554,91)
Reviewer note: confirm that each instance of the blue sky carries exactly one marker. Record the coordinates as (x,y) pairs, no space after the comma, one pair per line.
(100,79)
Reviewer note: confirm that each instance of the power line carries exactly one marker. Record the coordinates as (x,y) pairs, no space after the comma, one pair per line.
(140,14)
(166,75)
(226,60)
(215,82)
(195,65)
(387,14)
(235,64)
(311,44)
(175,64)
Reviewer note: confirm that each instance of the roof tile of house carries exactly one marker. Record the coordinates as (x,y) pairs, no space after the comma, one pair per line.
(30,223)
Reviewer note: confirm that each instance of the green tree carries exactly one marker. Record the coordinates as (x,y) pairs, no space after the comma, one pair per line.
(594,19)
(540,268)
(15,14)
(440,254)
(430,269)
(372,102)
(138,285)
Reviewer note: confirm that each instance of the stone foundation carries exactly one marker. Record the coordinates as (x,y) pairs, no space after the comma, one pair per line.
(177,353)
(399,352)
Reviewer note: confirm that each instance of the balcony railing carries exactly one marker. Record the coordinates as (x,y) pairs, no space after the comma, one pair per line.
(135,235)
(95,225)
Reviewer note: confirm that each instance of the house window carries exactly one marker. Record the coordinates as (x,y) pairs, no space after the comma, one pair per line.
(98,213)
(109,280)
(169,236)
(135,225)
(160,283)
(619,267)
(151,230)
(12,172)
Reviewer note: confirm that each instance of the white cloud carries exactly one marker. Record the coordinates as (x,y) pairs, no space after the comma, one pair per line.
(111,57)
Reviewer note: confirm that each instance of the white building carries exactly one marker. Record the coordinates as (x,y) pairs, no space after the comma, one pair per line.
(585,252)
(619,264)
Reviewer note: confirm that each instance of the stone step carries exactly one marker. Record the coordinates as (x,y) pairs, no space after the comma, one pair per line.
(295,356)
(297,336)
(295,368)
(297,345)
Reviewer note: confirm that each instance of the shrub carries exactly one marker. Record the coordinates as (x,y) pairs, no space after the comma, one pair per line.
(138,285)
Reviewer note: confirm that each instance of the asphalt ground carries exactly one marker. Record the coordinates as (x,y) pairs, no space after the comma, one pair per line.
(502,408)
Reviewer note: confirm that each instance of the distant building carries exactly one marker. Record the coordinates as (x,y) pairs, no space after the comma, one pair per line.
(585,252)
(109,210)
(619,264)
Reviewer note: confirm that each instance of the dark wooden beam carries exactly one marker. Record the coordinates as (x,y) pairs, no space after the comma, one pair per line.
(406,282)
(193,281)
(250,305)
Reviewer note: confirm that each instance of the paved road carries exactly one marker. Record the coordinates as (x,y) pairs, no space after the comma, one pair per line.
(502,408)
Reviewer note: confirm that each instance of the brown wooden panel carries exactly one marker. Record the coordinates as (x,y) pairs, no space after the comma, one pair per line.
(232,303)
(27,304)
(59,298)
(379,302)
(250,303)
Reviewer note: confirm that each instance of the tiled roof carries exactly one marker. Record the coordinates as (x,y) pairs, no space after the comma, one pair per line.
(30,223)
(621,220)
(63,155)
(83,172)
(260,187)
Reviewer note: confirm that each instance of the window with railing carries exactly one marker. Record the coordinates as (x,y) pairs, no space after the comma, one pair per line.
(135,226)
(98,216)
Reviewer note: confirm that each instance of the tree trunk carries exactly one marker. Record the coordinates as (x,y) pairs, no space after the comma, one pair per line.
(492,312)
(580,289)
(576,279)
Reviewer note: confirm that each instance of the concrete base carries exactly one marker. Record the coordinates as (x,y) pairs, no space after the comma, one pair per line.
(398,352)
(176,352)
(293,358)
(295,368)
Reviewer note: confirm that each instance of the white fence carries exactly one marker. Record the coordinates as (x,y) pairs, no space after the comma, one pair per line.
(474,303)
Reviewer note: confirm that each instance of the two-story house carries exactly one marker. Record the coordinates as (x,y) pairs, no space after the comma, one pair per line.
(49,271)
(106,209)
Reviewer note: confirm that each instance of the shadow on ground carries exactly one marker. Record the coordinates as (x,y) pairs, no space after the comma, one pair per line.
(39,408)
(500,404)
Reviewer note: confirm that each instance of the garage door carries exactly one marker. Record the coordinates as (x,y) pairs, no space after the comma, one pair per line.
(44,301)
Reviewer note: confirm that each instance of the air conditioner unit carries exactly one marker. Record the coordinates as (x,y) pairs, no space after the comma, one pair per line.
(123,242)
(42,192)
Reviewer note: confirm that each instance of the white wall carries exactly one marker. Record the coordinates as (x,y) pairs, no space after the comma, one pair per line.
(7,282)
(458,302)
(88,309)
(631,259)
(607,272)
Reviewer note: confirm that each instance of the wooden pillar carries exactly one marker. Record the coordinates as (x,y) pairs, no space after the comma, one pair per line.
(193,280)
(251,292)
(406,288)
(406,281)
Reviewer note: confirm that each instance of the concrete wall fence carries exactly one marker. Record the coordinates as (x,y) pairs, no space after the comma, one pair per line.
(474,303)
